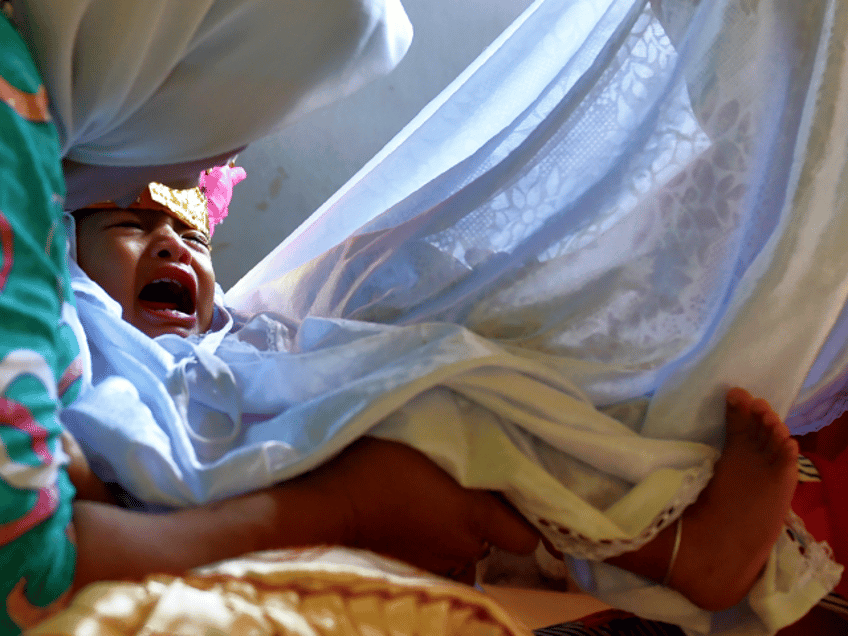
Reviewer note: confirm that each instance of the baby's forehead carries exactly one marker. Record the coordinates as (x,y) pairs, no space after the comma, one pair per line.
(148,215)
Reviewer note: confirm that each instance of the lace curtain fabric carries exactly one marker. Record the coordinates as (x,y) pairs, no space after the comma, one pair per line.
(619,211)
(613,182)
(645,197)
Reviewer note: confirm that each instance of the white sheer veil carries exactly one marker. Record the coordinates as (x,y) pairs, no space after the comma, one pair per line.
(658,197)
(648,199)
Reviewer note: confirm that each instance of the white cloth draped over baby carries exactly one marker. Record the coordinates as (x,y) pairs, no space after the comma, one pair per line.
(546,283)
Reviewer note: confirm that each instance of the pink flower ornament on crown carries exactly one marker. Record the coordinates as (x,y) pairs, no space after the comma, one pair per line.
(216,184)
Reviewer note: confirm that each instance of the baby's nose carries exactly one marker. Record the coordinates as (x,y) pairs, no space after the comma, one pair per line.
(170,246)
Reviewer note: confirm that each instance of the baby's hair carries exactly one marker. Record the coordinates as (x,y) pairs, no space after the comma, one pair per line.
(80,214)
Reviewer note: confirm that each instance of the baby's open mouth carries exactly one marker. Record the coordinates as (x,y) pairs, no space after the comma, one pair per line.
(167,294)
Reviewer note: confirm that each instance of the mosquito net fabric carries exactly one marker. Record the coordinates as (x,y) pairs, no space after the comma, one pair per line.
(632,186)
(546,282)
(647,198)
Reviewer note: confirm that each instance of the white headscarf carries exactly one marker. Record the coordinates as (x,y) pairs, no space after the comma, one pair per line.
(168,81)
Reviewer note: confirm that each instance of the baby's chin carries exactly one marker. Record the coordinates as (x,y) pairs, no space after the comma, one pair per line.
(159,331)
(182,328)
(182,333)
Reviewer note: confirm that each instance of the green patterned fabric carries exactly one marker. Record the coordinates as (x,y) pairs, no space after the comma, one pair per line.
(38,352)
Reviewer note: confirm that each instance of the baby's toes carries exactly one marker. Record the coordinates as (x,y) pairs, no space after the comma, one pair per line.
(770,444)
(738,411)
(788,451)
(760,407)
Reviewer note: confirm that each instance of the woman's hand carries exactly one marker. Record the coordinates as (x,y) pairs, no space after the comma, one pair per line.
(396,501)
(378,495)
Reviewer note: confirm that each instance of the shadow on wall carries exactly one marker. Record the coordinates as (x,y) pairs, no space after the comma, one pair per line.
(293,172)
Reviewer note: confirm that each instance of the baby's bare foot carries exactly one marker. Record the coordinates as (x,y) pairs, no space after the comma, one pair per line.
(728,533)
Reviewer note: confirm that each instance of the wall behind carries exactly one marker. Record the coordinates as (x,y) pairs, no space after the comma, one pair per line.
(292,173)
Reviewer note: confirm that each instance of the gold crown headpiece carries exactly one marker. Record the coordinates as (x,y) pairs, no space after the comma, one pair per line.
(201,208)
(204,207)
(189,206)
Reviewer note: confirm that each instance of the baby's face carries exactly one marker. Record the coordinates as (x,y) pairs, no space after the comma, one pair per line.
(158,268)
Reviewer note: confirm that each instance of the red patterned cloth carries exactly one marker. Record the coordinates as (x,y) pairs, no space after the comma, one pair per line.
(822,502)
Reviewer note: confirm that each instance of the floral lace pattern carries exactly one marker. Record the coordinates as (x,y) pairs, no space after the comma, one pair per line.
(616,251)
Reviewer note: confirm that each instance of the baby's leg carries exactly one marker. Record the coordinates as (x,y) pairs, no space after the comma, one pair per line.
(728,533)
